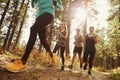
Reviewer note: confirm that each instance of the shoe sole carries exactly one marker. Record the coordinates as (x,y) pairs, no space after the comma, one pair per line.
(14,71)
(50,65)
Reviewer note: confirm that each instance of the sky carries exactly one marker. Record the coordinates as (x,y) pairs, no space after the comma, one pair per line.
(102,6)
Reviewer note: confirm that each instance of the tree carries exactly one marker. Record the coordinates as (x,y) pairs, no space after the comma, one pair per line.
(4,13)
(10,25)
(13,24)
(24,8)
(114,33)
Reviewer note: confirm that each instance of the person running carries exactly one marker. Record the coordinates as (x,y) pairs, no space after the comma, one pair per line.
(90,41)
(61,43)
(77,48)
(45,16)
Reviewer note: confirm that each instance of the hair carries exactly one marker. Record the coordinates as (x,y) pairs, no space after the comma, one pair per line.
(65,24)
(91,27)
(78,29)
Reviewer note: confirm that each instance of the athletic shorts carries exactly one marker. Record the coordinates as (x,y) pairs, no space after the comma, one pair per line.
(77,50)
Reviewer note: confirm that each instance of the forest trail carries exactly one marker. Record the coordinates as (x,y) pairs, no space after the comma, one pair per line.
(51,73)
(42,72)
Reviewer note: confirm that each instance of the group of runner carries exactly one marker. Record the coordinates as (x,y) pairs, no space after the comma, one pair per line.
(45,16)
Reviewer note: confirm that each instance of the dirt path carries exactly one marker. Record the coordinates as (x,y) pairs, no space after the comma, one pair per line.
(54,73)
(47,73)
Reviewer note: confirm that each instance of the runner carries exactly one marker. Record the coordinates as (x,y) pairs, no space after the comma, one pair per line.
(61,43)
(77,48)
(45,16)
(91,40)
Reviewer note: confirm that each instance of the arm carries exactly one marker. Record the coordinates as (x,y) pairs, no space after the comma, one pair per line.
(54,2)
(95,38)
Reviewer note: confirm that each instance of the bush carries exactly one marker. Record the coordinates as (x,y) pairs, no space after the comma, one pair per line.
(115,74)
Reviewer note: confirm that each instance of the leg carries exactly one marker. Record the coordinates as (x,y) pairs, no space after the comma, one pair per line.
(85,57)
(42,36)
(55,48)
(62,57)
(74,55)
(80,58)
(92,54)
(30,45)
(21,64)
(40,23)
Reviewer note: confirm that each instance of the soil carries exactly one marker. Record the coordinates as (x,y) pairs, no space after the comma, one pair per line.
(42,72)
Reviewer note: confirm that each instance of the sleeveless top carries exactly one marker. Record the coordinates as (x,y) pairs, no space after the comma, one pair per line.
(90,45)
(61,41)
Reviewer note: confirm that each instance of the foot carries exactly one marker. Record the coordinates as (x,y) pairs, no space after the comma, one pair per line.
(16,66)
(80,65)
(62,68)
(89,72)
(50,65)
(85,67)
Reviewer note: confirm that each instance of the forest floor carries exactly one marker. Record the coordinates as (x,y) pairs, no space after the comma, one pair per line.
(37,71)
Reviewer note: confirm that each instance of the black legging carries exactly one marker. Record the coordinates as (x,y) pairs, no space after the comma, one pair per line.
(91,54)
(61,52)
(38,27)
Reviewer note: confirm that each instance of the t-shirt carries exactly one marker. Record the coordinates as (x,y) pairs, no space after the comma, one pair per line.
(78,42)
(46,6)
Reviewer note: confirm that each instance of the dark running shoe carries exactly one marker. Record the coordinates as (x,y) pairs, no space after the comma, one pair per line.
(85,67)
(89,72)
(50,65)
(80,65)
(62,68)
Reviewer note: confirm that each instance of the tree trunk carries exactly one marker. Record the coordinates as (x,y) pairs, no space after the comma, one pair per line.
(21,24)
(68,40)
(7,36)
(4,13)
(22,4)
(12,34)
(9,29)
(118,59)
(14,24)
(68,24)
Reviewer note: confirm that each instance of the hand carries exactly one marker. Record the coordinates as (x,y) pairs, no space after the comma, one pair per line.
(54,2)
(73,42)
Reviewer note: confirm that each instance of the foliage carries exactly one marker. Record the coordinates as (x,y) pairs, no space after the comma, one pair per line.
(114,28)
(115,74)
(3,1)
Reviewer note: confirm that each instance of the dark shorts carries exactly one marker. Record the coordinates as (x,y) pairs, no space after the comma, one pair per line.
(77,50)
